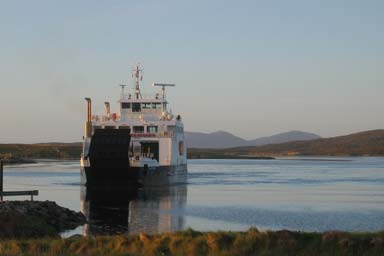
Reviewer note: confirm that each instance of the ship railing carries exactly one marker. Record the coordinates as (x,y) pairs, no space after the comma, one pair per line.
(138,157)
(164,134)
(144,96)
(100,118)
(104,118)
(148,155)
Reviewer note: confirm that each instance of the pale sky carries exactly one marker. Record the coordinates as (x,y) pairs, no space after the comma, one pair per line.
(253,68)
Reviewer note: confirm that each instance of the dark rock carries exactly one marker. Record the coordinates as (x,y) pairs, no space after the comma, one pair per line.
(36,218)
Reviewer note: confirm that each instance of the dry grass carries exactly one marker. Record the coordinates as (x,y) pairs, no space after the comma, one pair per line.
(190,242)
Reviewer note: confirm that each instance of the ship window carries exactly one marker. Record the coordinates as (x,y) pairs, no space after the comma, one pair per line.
(138,129)
(152,129)
(181,148)
(125,105)
(136,107)
(156,105)
(147,105)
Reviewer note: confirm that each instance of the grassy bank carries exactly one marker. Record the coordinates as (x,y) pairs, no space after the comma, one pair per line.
(368,143)
(42,150)
(196,153)
(251,242)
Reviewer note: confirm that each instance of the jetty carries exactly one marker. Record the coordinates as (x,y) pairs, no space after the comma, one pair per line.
(13,193)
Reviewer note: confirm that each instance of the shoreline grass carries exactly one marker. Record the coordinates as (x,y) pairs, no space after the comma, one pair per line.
(220,243)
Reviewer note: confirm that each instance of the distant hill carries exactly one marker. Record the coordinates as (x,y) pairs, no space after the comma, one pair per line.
(218,139)
(223,139)
(368,143)
(284,137)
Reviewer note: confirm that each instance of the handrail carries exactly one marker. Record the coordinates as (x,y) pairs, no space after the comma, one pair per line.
(19,193)
(153,135)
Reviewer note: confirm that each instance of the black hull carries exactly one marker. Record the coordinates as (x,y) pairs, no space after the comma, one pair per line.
(109,166)
(115,177)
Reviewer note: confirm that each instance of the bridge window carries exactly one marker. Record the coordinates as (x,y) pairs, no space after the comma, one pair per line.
(156,105)
(125,105)
(152,129)
(147,105)
(136,107)
(138,129)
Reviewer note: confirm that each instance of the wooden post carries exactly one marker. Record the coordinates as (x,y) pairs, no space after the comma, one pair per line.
(1,180)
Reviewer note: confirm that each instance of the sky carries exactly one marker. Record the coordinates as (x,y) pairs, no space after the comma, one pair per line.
(252,68)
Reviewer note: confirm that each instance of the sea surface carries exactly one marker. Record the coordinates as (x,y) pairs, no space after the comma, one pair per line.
(305,194)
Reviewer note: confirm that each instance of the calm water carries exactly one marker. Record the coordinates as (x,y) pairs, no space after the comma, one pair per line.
(309,194)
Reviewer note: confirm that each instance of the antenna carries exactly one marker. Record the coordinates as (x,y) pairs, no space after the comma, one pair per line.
(137,73)
(163,87)
(122,89)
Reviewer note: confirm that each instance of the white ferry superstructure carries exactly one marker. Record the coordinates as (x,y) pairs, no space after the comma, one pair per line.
(143,145)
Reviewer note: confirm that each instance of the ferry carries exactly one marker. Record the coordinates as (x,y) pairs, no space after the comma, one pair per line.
(142,144)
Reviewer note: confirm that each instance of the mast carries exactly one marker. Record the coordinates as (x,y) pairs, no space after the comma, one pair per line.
(137,73)
(122,90)
(163,88)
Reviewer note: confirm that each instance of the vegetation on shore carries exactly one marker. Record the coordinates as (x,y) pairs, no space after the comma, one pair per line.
(189,242)
(369,143)
(8,158)
(42,150)
(194,153)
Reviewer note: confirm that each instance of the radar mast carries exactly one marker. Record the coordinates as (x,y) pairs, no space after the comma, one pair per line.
(137,73)
(163,88)
(122,90)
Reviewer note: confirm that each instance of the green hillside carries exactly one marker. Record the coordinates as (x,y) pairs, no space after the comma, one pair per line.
(41,150)
(368,143)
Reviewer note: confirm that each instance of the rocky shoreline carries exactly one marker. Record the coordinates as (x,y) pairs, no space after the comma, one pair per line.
(33,227)
(33,219)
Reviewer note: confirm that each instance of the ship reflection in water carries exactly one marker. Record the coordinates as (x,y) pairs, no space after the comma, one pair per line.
(131,211)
